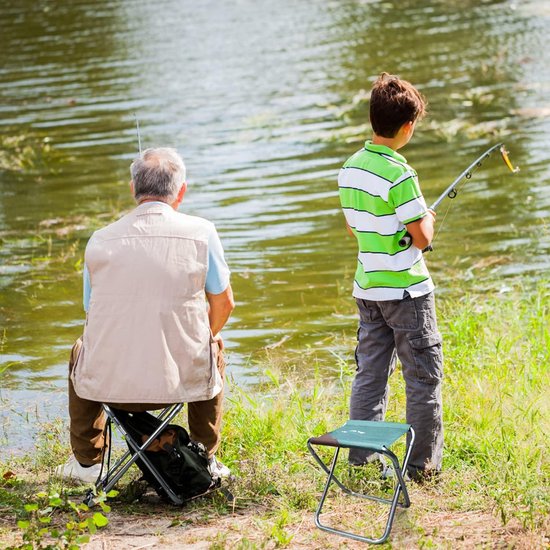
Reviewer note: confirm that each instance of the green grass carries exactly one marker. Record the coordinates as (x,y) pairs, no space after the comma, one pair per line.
(497,399)
(496,402)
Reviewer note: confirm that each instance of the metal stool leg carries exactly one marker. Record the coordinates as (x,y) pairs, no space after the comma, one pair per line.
(400,488)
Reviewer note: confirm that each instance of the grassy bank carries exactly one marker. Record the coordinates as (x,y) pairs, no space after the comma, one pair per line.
(493,492)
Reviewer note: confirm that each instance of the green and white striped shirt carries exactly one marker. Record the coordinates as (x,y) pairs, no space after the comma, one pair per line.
(379,194)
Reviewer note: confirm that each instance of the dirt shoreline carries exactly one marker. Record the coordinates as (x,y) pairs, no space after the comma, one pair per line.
(153,524)
(442,530)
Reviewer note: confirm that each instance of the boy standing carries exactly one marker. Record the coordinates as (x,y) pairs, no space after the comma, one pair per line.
(382,202)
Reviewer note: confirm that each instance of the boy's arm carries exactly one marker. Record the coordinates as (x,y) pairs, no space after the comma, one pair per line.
(422,230)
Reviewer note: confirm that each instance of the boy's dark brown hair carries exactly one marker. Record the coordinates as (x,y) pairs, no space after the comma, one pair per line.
(393,102)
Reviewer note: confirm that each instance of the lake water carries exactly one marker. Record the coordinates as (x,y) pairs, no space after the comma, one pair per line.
(264,100)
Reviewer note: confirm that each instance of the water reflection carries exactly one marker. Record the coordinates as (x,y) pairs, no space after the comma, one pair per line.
(264,102)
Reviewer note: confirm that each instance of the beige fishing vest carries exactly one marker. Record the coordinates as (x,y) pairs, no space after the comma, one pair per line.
(147,337)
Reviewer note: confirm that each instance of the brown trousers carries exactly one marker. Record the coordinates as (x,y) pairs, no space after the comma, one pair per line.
(87,418)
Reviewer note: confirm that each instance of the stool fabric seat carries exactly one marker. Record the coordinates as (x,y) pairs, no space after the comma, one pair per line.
(372,436)
(364,434)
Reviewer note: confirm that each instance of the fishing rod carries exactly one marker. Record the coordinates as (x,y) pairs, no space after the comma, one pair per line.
(452,190)
(138,134)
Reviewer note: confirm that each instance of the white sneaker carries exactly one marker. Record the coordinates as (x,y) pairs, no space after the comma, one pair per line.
(217,469)
(73,470)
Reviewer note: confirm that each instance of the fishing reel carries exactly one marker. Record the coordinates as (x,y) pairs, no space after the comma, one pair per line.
(406,240)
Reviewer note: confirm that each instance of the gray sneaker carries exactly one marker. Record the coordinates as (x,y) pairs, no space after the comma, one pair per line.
(72,469)
(217,469)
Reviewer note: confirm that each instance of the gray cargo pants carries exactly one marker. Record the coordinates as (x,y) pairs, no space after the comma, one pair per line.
(406,329)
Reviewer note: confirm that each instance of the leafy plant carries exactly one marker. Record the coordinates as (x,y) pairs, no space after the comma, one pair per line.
(40,530)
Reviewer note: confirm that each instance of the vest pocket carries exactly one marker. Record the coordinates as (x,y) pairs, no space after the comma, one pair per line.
(75,353)
(428,357)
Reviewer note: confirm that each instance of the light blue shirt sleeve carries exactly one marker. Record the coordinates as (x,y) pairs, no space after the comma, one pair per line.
(87,288)
(217,275)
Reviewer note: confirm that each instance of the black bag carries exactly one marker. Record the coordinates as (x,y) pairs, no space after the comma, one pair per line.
(180,461)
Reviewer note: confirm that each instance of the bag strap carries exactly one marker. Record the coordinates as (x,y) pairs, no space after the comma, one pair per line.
(107,444)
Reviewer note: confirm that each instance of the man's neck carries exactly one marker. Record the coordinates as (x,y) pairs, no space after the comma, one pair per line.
(152,199)
(174,205)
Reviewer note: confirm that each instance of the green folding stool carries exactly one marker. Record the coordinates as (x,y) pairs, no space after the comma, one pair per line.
(372,436)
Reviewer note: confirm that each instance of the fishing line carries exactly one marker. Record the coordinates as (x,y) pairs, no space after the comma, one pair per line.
(442,222)
(452,194)
(138,134)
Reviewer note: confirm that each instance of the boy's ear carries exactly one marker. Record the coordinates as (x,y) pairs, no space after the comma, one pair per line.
(408,126)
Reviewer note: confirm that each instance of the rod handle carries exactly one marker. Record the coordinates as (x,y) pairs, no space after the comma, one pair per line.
(406,240)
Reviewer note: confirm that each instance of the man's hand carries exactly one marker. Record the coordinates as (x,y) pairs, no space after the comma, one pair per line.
(422,230)
(219,340)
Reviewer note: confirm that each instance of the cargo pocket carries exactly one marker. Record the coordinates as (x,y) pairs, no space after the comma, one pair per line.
(428,357)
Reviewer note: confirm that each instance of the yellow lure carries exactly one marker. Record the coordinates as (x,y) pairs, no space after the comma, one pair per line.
(506,159)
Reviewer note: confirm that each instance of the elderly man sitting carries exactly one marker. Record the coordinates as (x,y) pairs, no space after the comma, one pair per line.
(157,294)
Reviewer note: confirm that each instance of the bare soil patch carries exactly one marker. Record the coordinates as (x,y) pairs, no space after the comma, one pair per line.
(460,530)
(427,524)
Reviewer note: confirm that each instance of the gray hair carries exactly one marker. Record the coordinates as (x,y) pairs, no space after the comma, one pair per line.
(158,173)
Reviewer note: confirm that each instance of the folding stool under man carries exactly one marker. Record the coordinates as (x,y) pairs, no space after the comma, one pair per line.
(370,436)
(107,481)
